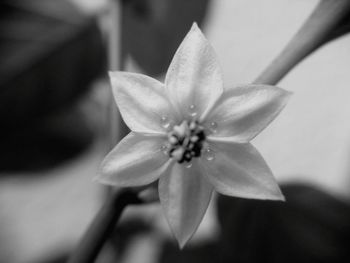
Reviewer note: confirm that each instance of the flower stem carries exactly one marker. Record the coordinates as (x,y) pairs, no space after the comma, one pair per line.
(117,127)
(102,226)
(319,28)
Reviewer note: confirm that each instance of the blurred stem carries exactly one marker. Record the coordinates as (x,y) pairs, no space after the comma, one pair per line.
(116,201)
(117,128)
(102,226)
(316,31)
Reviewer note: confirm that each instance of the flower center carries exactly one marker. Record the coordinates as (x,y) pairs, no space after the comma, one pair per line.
(186,141)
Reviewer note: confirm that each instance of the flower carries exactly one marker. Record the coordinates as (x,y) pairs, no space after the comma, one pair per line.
(193,135)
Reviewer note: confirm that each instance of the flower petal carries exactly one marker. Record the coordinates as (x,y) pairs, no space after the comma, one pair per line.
(243,112)
(137,160)
(194,76)
(142,101)
(239,170)
(184,194)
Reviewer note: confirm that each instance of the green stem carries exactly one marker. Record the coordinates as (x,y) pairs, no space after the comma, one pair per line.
(317,30)
(102,226)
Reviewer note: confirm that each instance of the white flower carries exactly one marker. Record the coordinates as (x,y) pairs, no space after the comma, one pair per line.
(193,135)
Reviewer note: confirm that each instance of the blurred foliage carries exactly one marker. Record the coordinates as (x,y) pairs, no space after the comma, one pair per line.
(153,29)
(50,52)
(311,226)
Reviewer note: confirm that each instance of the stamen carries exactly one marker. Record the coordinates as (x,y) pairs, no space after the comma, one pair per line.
(178,154)
(180,130)
(173,140)
(192,125)
(194,138)
(186,141)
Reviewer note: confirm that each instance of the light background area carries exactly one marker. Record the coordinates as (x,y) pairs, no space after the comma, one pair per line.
(309,141)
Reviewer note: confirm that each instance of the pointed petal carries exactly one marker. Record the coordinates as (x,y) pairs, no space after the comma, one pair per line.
(137,160)
(184,194)
(243,112)
(239,170)
(141,100)
(194,76)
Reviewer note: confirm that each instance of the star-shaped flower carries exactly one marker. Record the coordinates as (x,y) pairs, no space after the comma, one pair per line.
(193,135)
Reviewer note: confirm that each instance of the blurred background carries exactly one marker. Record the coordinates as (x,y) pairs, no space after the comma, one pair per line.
(55,122)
